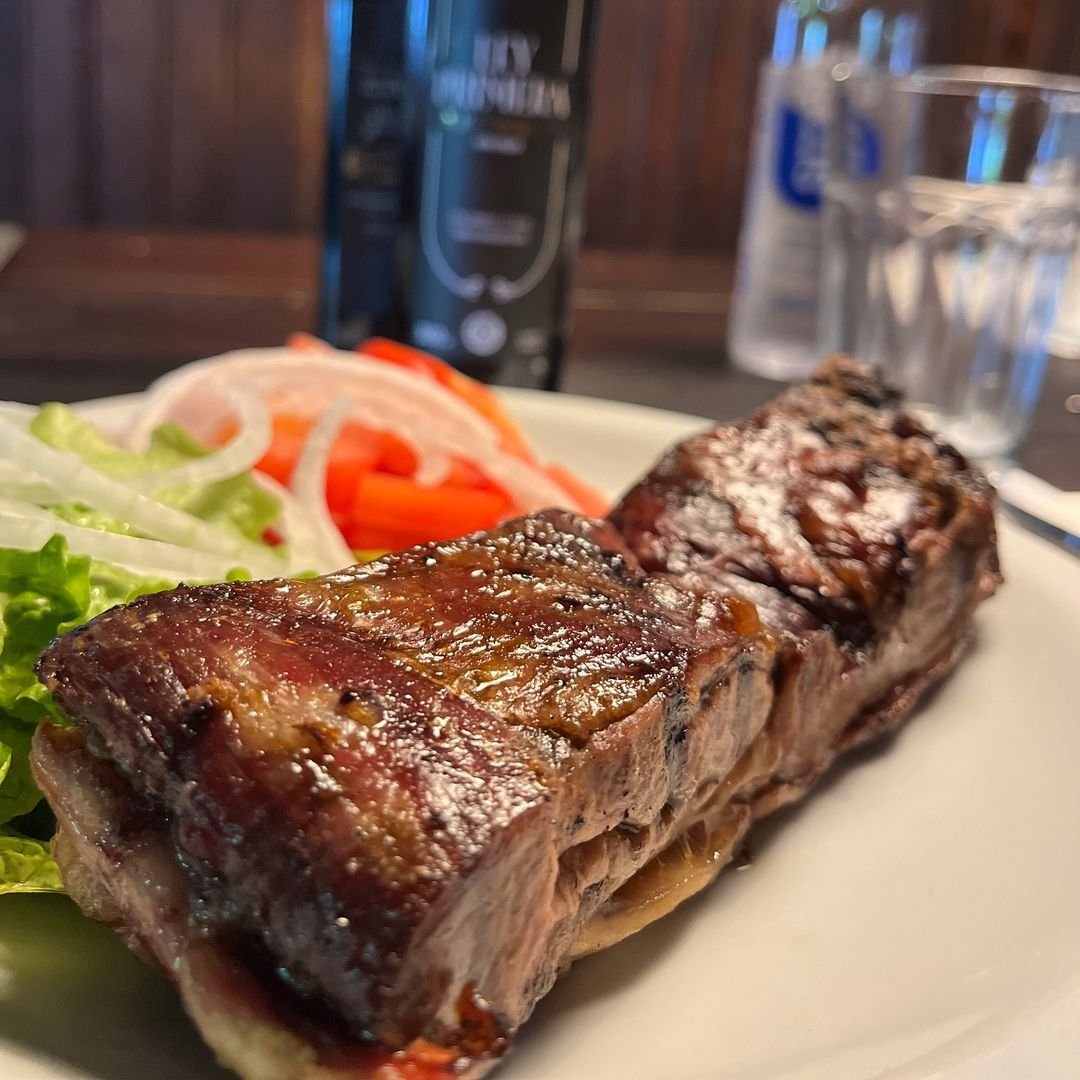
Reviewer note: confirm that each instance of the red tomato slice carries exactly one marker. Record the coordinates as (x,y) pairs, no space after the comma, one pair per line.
(405,356)
(588,499)
(440,512)
(473,393)
(304,342)
(369,486)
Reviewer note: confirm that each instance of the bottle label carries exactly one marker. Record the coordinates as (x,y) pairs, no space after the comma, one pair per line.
(499,188)
(861,147)
(800,158)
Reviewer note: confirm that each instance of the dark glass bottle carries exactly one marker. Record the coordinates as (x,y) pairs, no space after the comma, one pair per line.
(368,181)
(488,136)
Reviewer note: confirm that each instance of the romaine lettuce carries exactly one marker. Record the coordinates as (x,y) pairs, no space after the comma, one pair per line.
(47,592)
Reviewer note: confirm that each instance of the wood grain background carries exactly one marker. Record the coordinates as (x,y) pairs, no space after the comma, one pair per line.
(209,113)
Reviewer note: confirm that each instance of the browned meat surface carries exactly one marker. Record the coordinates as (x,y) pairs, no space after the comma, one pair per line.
(389,775)
(390,803)
(823,507)
(120,866)
(865,545)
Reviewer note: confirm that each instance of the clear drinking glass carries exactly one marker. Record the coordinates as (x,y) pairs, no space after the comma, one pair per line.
(949,237)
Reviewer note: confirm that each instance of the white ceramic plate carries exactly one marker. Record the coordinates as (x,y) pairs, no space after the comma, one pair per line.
(917,917)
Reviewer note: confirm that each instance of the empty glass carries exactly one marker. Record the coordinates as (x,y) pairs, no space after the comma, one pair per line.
(951,215)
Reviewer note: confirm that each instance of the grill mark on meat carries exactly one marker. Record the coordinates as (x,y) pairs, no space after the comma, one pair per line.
(600,632)
(193,723)
(911,573)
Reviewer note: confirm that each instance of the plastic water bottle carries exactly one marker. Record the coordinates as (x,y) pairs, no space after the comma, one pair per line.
(774,320)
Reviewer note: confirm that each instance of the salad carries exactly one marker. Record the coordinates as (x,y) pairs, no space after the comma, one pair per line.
(258,463)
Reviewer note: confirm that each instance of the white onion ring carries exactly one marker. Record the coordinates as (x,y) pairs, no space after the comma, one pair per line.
(28,528)
(308,484)
(24,485)
(434,422)
(18,412)
(236,457)
(77,481)
(299,537)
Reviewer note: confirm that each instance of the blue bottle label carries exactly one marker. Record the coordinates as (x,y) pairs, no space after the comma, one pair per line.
(862,147)
(800,158)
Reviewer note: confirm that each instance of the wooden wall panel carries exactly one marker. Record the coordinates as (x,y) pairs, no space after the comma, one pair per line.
(310,116)
(13,17)
(201,112)
(624,65)
(210,113)
(715,141)
(264,154)
(132,70)
(663,173)
(57,111)
(1051,44)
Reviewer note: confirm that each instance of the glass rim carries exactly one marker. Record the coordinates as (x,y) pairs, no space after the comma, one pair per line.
(967,79)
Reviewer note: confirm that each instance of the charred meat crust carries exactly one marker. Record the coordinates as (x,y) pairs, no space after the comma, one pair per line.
(422,784)
(373,771)
(120,866)
(819,507)
(864,543)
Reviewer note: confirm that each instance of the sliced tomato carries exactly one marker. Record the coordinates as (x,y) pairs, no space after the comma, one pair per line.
(358,449)
(289,433)
(349,459)
(405,356)
(304,342)
(354,452)
(440,512)
(370,489)
(589,500)
(469,390)
(395,457)
(473,393)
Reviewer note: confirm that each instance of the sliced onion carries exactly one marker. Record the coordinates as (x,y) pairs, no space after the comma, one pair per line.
(238,456)
(18,412)
(423,414)
(164,401)
(26,486)
(309,486)
(28,528)
(299,536)
(75,480)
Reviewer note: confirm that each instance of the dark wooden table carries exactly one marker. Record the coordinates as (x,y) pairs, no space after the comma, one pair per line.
(87,314)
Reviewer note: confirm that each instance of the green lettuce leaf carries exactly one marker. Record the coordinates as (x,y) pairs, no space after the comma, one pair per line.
(238,503)
(26,866)
(42,594)
(18,792)
(45,593)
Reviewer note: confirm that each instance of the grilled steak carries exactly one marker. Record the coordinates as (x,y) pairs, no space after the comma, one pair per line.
(864,543)
(413,781)
(364,820)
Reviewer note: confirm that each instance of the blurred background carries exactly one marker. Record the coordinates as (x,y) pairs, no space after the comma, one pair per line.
(167,159)
(210,114)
